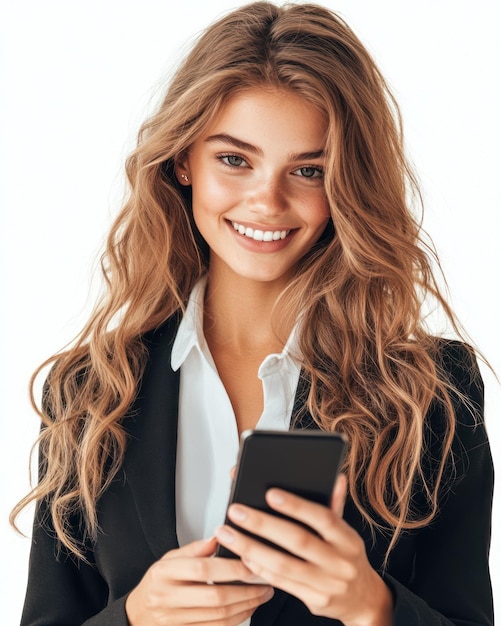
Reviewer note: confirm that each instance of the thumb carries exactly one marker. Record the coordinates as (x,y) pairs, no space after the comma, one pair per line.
(339,495)
(203,547)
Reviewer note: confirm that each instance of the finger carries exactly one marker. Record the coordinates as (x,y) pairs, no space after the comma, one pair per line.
(204,569)
(320,518)
(233,613)
(283,533)
(255,552)
(339,495)
(233,472)
(308,581)
(334,538)
(203,547)
(312,591)
(203,595)
(280,569)
(305,553)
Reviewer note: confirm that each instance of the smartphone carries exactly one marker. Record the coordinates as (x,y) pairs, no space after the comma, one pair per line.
(304,462)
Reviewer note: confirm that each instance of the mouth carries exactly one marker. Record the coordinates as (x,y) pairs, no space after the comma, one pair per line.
(260,235)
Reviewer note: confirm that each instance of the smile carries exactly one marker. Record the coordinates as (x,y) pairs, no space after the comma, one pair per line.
(260,235)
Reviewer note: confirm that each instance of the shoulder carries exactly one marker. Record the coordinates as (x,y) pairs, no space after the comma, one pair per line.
(468,473)
(458,368)
(458,362)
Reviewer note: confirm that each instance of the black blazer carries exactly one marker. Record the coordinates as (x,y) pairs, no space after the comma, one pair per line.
(438,575)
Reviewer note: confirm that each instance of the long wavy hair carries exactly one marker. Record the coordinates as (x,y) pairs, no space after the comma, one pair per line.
(371,364)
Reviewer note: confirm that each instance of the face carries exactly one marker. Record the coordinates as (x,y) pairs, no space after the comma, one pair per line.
(257,183)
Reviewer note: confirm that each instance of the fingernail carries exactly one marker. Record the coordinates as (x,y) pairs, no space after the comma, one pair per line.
(237,513)
(225,535)
(276,497)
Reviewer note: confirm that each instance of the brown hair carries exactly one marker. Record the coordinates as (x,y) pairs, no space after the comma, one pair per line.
(371,364)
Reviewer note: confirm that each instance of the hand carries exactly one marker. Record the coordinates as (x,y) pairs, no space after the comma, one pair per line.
(329,572)
(176,590)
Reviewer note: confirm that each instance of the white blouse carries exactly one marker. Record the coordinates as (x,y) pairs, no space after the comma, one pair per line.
(207,444)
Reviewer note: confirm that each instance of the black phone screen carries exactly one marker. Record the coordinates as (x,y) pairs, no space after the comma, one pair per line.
(304,462)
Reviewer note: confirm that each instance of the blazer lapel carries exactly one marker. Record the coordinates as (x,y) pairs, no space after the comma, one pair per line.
(301,417)
(150,462)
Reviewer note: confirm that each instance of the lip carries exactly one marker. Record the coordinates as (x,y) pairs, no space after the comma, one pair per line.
(257,245)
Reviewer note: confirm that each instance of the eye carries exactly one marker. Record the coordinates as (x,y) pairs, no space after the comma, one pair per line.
(309,172)
(232,160)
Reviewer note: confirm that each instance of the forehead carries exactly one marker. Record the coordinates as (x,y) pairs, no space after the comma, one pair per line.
(268,115)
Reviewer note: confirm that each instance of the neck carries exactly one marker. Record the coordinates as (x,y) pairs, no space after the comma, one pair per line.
(238,312)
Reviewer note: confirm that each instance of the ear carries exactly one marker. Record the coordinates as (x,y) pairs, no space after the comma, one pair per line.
(182,171)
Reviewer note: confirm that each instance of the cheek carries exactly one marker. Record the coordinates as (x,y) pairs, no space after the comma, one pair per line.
(318,213)
(211,196)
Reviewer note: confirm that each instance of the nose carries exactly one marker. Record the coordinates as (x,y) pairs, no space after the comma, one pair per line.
(268,197)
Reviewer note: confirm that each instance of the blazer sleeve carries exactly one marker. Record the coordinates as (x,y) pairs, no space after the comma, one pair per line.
(451,569)
(64,591)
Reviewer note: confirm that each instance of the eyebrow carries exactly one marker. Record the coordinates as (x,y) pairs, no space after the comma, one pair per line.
(248,147)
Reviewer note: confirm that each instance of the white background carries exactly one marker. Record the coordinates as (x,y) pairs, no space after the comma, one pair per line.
(77,78)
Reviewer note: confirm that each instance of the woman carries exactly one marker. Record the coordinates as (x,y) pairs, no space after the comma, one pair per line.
(266,271)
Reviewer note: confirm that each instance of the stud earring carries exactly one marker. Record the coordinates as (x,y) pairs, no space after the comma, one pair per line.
(184,177)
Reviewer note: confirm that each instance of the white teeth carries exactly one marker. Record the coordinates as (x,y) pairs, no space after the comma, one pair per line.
(260,235)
